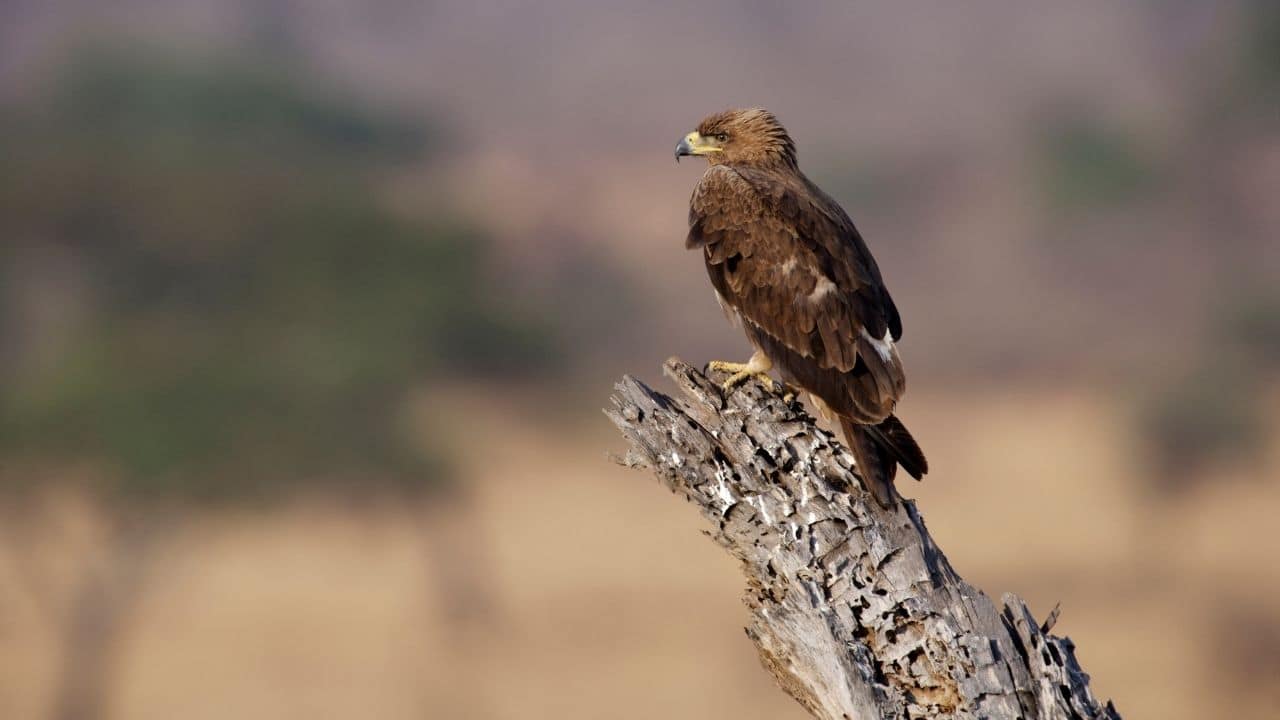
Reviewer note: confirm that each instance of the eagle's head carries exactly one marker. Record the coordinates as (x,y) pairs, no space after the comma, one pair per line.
(740,137)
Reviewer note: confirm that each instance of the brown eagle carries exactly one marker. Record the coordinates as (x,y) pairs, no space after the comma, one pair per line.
(787,262)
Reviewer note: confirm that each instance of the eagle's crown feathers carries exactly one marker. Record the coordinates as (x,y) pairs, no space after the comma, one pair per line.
(751,136)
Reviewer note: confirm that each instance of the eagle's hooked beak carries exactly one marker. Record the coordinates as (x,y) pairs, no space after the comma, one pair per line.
(694,144)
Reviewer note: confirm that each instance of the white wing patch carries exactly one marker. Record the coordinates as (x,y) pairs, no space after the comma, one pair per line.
(884,347)
(822,288)
(734,318)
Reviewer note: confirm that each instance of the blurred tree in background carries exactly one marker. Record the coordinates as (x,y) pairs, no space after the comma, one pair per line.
(1250,325)
(251,317)
(1259,75)
(1214,412)
(207,301)
(1088,166)
(1206,416)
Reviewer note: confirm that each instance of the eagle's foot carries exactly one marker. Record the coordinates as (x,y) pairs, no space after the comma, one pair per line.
(758,367)
(739,377)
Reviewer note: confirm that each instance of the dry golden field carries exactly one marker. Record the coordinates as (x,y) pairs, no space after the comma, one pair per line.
(565,587)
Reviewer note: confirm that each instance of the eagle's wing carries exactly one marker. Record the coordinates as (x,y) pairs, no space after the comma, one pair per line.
(790,263)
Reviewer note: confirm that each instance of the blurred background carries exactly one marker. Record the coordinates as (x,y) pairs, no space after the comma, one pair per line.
(308,311)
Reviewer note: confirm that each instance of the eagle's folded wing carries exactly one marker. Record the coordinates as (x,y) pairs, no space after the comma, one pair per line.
(790,263)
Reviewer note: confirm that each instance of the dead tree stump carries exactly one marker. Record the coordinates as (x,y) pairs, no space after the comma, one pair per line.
(854,609)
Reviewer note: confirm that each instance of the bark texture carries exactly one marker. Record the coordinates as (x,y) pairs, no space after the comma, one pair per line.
(854,609)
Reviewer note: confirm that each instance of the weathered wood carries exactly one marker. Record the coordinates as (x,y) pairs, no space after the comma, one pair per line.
(853,607)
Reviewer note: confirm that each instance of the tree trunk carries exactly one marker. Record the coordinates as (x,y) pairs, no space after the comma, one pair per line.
(458,568)
(98,613)
(854,609)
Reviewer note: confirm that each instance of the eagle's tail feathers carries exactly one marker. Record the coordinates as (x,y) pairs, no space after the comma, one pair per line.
(875,466)
(878,450)
(895,437)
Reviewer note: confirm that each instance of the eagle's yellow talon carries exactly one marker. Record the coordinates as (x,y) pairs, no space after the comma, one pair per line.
(758,366)
(729,367)
(739,377)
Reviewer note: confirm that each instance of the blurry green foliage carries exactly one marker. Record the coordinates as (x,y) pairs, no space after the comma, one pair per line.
(1086,166)
(1206,416)
(1213,414)
(876,186)
(256,317)
(167,103)
(1262,52)
(1250,324)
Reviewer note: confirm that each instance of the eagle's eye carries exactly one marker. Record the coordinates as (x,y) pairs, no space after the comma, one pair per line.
(721,137)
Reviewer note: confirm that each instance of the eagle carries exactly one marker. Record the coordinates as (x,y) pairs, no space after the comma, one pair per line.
(789,266)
